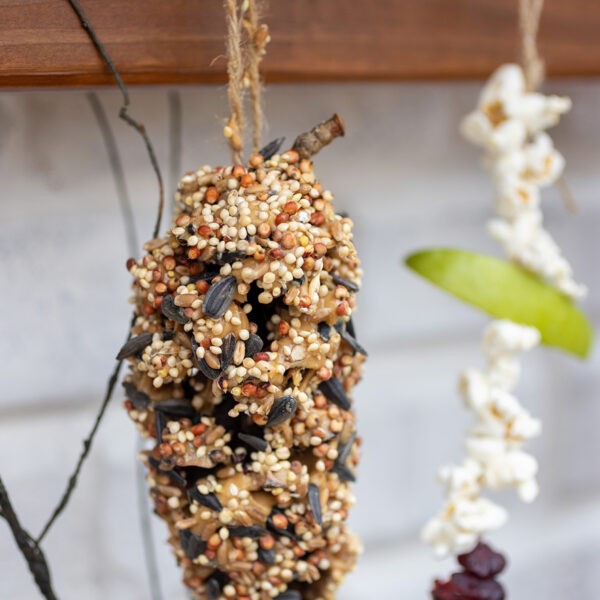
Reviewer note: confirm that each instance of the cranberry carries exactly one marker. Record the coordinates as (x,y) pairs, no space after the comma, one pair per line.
(443,590)
(476,581)
(469,587)
(482,562)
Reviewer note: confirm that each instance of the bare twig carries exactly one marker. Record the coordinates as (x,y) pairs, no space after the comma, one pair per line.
(87,445)
(175,129)
(115,374)
(116,167)
(28,546)
(132,243)
(147,540)
(309,143)
(139,127)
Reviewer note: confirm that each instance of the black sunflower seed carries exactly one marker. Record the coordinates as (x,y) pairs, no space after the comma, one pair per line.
(344,450)
(160,422)
(267,557)
(289,533)
(202,364)
(219,297)
(271,148)
(350,327)
(353,343)
(196,546)
(213,589)
(254,441)
(208,371)
(271,484)
(289,595)
(254,344)
(176,407)
(324,330)
(334,391)
(314,499)
(339,280)
(138,399)
(252,531)
(134,345)
(283,408)
(173,312)
(174,475)
(208,500)
(227,350)
(192,544)
(168,334)
(204,276)
(184,538)
(343,472)
(223,258)
(217,455)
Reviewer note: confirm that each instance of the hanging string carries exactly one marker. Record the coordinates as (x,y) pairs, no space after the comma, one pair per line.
(534,69)
(234,130)
(244,54)
(258,38)
(529,20)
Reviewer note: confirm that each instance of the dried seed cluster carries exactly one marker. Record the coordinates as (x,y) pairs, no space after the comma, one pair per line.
(243,357)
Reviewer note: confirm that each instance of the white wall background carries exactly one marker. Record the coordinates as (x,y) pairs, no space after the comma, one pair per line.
(409,181)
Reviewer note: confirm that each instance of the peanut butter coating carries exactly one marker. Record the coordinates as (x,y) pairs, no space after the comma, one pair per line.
(244,387)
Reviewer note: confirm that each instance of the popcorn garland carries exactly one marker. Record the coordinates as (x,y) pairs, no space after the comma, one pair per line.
(509,124)
(493,445)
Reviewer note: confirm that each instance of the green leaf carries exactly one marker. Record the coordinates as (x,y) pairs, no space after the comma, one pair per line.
(507,291)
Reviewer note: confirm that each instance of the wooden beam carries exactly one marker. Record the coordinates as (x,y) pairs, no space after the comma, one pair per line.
(181,41)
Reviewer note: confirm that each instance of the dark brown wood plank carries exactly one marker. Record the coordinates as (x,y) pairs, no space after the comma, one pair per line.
(181,41)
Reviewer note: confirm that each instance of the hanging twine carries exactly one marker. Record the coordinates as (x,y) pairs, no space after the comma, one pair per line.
(258,38)
(235,72)
(529,20)
(530,12)
(244,53)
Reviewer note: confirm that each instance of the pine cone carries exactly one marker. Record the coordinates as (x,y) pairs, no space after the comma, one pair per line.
(243,358)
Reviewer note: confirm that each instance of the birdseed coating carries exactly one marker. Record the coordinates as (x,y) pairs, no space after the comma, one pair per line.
(242,362)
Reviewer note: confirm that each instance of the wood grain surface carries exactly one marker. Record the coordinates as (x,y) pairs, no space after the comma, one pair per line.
(181,41)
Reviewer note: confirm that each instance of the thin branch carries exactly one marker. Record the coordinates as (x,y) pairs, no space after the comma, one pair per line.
(116,167)
(175,143)
(147,540)
(309,143)
(29,548)
(87,445)
(139,127)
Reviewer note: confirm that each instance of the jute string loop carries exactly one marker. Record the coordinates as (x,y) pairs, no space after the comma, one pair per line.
(529,20)
(244,53)
(530,12)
